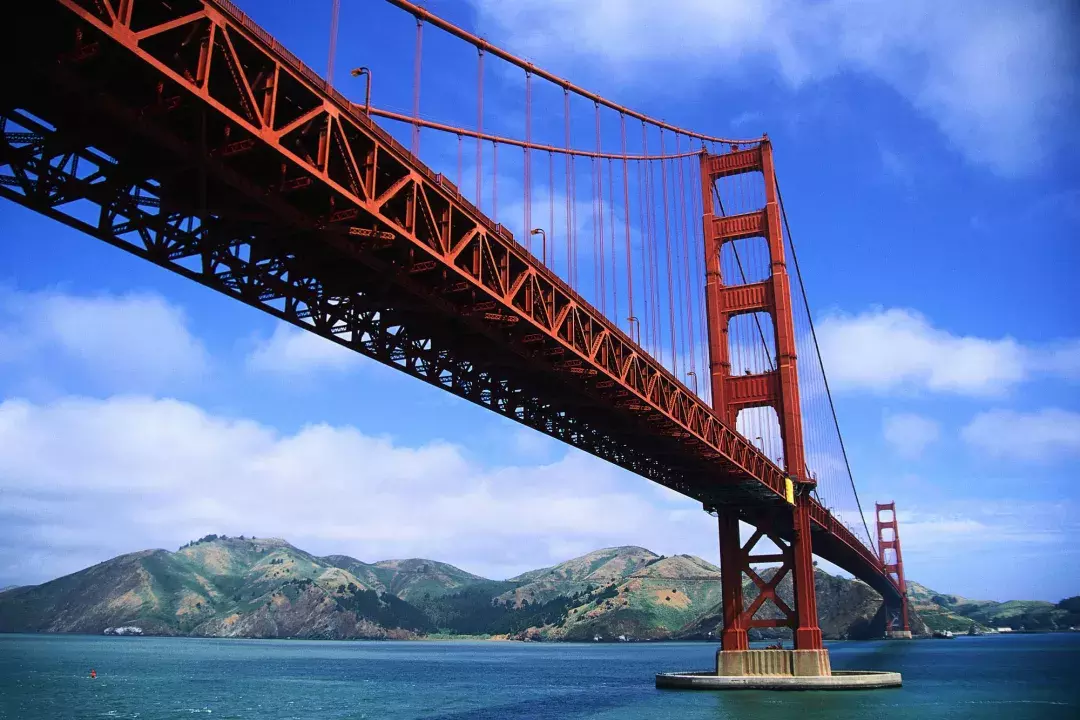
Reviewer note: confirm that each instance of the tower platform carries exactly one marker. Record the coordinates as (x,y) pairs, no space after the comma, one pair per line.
(777,670)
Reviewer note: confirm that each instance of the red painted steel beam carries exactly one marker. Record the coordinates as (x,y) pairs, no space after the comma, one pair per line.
(737,227)
(315,138)
(325,221)
(749,298)
(734,163)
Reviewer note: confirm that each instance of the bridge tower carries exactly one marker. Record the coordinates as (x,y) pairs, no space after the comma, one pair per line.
(896,618)
(777,388)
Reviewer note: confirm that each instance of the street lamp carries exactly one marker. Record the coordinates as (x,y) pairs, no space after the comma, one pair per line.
(694,375)
(357,72)
(634,321)
(762,446)
(543,236)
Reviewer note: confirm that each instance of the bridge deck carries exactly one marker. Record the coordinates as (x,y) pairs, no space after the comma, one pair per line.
(185,134)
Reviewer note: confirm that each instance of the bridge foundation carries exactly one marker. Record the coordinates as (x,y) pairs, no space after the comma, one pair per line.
(777,670)
(839,680)
(780,663)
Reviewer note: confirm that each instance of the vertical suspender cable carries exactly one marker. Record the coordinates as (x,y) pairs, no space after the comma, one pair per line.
(677,264)
(335,10)
(599,180)
(697,214)
(495,181)
(611,229)
(626,226)
(416,87)
(573,221)
(569,191)
(598,295)
(647,344)
(667,259)
(528,161)
(680,177)
(551,206)
(479,128)
(459,162)
(654,252)
(650,263)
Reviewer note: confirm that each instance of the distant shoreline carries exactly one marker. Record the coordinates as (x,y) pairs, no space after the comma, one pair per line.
(496,639)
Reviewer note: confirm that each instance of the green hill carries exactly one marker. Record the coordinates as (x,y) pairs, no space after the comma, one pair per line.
(226,587)
(407,579)
(655,600)
(960,614)
(247,587)
(596,569)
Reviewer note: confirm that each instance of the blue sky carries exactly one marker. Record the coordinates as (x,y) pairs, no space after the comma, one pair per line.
(928,157)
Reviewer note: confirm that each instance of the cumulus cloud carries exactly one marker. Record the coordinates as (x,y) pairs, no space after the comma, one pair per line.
(83,480)
(1001,549)
(978,524)
(130,341)
(899,349)
(290,351)
(996,77)
(1042,436)
(910,434)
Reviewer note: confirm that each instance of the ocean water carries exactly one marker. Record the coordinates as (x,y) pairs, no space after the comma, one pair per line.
(46,677)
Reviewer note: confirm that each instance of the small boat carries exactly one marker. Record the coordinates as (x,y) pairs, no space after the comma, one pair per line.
(944,634)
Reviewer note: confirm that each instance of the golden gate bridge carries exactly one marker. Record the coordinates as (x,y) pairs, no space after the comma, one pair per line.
(633,290)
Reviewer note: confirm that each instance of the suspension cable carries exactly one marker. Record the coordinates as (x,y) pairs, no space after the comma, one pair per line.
(817,348)
(481,44)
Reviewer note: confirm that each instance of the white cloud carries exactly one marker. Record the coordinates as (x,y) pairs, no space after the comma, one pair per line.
(996,77)
(136,340)
(1042,436)
(910,434)
(293,351)
(898,349)
(290,350)
(83,480)
(971,525)
(1002,549)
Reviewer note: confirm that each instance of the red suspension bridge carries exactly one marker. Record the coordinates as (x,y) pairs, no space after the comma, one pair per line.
(624,285)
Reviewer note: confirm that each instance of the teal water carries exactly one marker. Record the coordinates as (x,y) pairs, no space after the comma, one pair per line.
(46,676)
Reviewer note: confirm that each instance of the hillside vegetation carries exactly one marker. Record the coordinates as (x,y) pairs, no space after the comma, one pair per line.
(265,587)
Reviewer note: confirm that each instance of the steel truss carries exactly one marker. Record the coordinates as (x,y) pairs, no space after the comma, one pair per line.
(181,132)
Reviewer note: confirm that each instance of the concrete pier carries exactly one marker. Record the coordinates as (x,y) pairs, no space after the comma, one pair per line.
(776,670)
(898,634)
(794,663)
(839,680)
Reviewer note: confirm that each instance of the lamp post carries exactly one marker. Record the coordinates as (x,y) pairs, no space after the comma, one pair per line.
(634,322)
(693,374)
(543,237)
(357,72)
(762,445)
